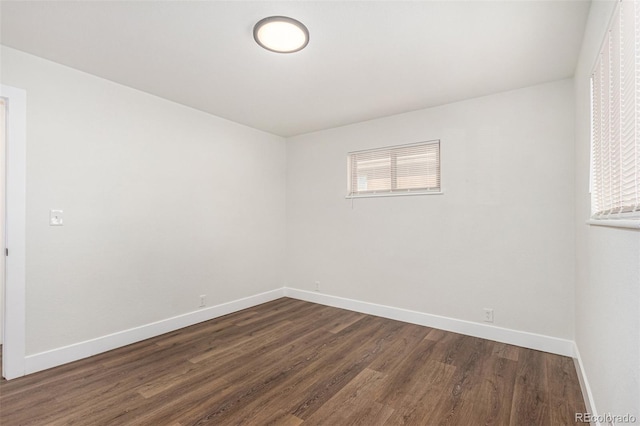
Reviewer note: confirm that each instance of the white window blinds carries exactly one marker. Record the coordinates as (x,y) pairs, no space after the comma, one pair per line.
(615,172)
(401,169)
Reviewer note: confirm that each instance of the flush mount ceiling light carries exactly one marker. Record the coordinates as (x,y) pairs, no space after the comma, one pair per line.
(281,34)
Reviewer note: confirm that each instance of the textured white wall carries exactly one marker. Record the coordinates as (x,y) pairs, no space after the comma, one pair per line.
(162,203)
(500,237)
(608,265)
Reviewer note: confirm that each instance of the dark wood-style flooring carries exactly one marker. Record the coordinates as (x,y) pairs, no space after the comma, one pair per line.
(290,362)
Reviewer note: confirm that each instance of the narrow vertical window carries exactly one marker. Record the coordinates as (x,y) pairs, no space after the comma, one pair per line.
(615,116)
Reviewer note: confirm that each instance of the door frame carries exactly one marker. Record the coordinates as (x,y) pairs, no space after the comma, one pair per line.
(14,345)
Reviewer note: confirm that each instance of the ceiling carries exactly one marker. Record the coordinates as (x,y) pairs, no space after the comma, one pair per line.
(365,59)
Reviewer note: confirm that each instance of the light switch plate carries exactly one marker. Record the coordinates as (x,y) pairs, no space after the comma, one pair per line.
(56,218)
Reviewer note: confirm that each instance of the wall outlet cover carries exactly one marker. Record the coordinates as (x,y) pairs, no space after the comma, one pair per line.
(56,218)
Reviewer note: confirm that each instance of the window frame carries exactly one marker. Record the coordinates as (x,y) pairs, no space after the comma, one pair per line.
(610,209)
(393,176)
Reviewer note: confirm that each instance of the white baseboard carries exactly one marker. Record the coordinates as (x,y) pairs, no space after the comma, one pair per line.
(504,335)
(44,360)
(590,406)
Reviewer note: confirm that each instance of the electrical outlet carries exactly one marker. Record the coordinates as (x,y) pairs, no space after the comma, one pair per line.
(56,218)
(488,315)
(203,300)
(317,285)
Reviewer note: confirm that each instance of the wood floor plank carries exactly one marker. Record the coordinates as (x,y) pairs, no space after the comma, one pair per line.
(408,338)
(162,382)
(503,350)
(355,359)
(435,334)
(468,354)
(416,400)
(497,376)
(178,404)
(531,392)
(290,362)
(565,396)
(402,377)
(281,419)
(343,322)
(355,403)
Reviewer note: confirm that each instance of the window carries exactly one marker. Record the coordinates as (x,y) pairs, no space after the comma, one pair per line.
(615,118)
(397,170)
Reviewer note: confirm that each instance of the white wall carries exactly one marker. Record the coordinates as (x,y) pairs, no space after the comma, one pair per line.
(501,236)
(608,265)
(162,203)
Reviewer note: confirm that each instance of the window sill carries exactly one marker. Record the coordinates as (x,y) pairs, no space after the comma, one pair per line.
(393,194)
(616,223)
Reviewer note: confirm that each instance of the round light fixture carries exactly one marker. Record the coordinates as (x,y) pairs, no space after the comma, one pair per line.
(281,34)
